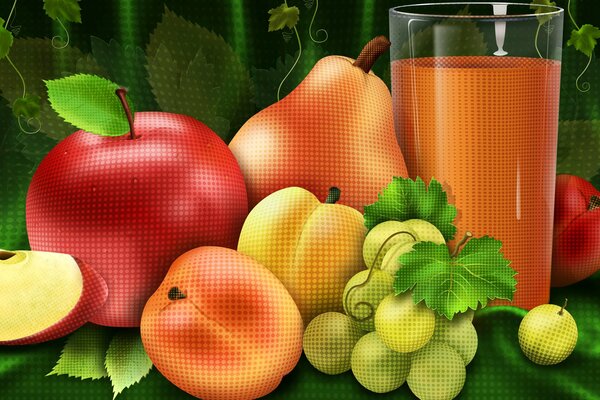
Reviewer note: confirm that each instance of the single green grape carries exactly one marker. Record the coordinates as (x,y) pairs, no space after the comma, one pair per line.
(460,334)
(379,234)
(361,297)
(403,325)
(377,367)
(390,263)
(426,231)
(328,342)
(437,372)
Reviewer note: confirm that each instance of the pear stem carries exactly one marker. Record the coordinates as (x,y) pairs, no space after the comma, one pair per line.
(5,255)
(594,203)
(468,235)
(122,95)
(333,196)
(563,307)
(371,52)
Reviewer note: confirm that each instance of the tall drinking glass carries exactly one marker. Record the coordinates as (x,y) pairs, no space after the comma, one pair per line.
(476,94)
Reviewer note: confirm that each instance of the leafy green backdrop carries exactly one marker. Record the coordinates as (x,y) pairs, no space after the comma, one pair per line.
(223,49)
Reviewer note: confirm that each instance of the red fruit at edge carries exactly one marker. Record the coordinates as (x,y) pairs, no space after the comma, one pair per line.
(576,247)
(129,208)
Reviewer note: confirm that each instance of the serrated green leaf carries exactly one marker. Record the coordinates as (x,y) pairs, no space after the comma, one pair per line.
(65,10)
(541,7)
(584,39)
(578,144)
(405,199)
(222,93)
(452,285)
(283,16)
(38,61)
(266,81)
(89,102)
(6,40)
(126,360)
(27,107)
(126,65)
(84,353)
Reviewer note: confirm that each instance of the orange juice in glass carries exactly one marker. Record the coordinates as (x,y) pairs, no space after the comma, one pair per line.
(476,93)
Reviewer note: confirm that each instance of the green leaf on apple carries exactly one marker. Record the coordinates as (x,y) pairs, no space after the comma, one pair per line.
(405,199)
(89,103)
(584,39)
(266,81)
(451,285)
(6,40)
(126,360)
(63,10)
(193,71)
(283,16)
(126,65)
(84,353)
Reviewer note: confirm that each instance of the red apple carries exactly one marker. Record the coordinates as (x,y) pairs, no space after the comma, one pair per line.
(129,205)
(576,247)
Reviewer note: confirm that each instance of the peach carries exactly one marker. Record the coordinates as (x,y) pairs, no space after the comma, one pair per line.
(222,326)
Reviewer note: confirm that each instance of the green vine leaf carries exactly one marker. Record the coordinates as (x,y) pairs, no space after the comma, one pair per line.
(451,285)
(84,353)
(27,107)
(584,39)
(63,10)
(6,40)
(283,16)
(89,103)
(540,7)
(126,360)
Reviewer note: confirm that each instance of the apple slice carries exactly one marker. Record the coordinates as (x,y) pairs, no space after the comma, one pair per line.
(44,296)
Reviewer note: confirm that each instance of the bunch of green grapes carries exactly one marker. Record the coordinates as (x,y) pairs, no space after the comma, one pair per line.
(386,339)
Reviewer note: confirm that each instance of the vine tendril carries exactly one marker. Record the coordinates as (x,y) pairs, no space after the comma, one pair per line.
(585,86)
(318,31)
(12,10)
(293,66)
(29,121)
(537,33)
(368,279)
(571,15)
(18,73)
(56,38)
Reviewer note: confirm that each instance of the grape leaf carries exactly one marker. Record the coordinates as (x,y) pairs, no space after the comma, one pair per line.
(266,81)
(65,10)
(6,40)
(125,65)
(203,77)
(406,199)
(27,107)
(452,285)
(578,144)
(540,7)
(32,57)
(88,102)
(126,360)
(84,353)
(584,39)
(283,16)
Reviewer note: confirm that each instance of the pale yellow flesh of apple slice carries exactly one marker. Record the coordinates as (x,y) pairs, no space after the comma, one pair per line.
(37,290)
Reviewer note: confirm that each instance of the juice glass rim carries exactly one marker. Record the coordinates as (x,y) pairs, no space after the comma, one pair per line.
(398,11)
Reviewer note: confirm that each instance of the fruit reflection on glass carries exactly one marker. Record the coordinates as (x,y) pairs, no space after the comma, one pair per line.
(222,326)
(314,248)
(335,129)
(548,334)
(44,296)
(576,249)
(129,205)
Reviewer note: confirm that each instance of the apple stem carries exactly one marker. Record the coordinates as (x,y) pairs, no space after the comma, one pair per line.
(563,307)
(465,239)
(333,196)
(371,52)
(594,203)
(5,255)
(366,281)
(122,95)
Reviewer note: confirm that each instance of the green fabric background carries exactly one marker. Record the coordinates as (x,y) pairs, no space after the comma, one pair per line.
(499,370)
